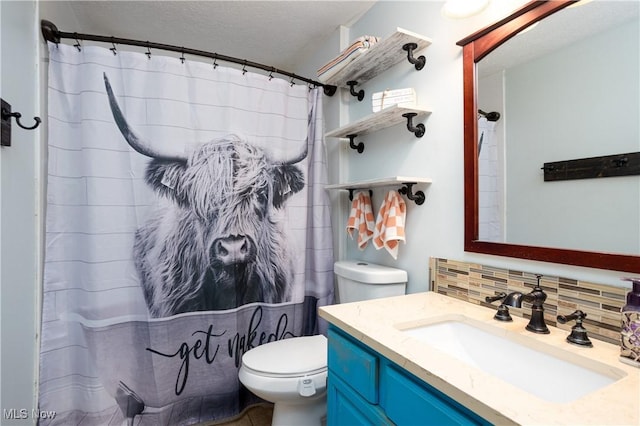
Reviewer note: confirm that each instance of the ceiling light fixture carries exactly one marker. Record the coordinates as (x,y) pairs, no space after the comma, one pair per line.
(459,9)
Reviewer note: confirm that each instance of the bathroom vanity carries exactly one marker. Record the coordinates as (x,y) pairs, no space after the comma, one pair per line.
(367,388)
(384,370)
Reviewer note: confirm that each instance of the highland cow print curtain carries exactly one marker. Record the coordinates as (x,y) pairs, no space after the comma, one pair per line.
(187,223)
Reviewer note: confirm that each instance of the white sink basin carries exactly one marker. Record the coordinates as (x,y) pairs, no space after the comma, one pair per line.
(542,370)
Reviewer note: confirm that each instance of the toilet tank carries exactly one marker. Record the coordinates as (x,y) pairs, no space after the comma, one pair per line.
(360,280)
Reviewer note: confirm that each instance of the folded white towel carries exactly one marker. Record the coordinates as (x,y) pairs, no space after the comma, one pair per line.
(390,222)
(357,48)
(361,218)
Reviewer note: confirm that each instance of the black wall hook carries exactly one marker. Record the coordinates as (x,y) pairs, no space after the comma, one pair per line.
(6,122)
(419,129)
(358,147)
(417,62)
(352,190)
(359,94)
(418,197)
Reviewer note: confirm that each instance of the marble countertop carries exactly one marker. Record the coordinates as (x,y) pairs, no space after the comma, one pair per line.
(374,323)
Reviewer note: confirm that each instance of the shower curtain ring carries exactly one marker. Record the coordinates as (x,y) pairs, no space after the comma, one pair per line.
(182,58)
(113,49)
(77,45)
(215,61)
(244,67)
(148,52)
(271,73)
(292,82)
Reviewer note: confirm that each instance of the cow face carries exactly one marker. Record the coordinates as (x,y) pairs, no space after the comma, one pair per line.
(230,188)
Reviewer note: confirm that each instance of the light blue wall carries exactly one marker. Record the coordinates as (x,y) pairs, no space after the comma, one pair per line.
(19,214)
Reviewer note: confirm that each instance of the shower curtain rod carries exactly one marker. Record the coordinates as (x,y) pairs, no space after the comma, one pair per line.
(51,33)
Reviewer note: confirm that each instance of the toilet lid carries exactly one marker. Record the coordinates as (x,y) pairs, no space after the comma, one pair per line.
(289,357)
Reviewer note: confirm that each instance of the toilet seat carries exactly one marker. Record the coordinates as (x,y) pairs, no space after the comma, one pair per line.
(277,359)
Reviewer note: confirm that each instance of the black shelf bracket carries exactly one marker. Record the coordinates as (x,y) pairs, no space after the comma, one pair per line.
(417,62)
(359,94)
(358,147)
(419,129)
(418,197)
(329,90)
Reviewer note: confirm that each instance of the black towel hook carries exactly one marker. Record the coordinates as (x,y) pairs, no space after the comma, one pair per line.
(352,190)
(6,115)
(417,62)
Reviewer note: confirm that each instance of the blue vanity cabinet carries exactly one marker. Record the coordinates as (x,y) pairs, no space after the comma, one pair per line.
(365,388)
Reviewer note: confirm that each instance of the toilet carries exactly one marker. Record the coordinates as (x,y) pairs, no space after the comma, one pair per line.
(297,385)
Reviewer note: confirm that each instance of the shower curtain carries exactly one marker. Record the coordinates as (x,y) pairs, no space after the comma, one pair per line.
(490,223)
(187,223)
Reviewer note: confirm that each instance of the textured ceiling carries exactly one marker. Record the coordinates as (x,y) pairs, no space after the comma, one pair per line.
(274,33)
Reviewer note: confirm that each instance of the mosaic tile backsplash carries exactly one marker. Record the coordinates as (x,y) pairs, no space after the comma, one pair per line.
(473,282)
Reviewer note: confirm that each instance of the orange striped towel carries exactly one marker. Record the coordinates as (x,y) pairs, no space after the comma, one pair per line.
(390,224)
(361,218)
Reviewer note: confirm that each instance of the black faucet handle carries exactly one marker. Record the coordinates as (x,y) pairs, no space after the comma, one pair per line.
(578,334)
(502,314)
(578,316)
(498,296)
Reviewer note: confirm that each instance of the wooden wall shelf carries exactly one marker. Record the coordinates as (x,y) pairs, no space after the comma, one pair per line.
(377,121)
(405,182)
(382,56)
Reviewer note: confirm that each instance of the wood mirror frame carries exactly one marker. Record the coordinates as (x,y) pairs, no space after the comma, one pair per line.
(475,47)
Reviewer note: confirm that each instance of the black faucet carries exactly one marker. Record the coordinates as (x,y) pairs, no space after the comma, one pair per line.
(536,298)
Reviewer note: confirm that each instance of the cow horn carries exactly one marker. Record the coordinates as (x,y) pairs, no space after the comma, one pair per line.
(283,154)
(168,151)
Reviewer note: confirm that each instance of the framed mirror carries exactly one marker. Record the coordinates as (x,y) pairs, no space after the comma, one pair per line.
(534,123)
